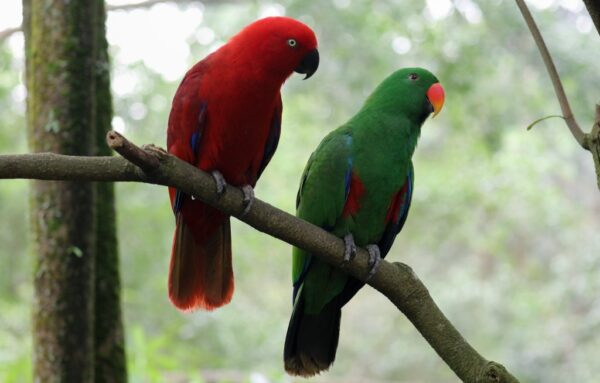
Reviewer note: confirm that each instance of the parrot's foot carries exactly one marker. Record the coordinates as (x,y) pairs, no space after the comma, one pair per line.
(220,182)
(154,148)
(349,249)
(248,200)
(374,260)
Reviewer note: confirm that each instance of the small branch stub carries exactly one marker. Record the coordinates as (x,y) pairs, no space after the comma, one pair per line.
(143,159)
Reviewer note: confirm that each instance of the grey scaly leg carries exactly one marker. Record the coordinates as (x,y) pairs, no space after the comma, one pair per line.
(374,260)
(220,182)
(349,249)
(248,198)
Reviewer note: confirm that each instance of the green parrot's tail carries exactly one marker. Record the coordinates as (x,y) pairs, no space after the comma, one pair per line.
(312,339)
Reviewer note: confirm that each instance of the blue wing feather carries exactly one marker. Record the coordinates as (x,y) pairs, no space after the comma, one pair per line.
(297,284)
(195,145)
(348,180)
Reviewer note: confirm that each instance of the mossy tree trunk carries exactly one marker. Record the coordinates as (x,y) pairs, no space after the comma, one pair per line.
(109,338)
(61,70)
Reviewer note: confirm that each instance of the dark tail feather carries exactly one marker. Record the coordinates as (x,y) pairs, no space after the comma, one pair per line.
(311,340)
(201,275)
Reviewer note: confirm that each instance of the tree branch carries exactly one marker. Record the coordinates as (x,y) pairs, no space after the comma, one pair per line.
(396,281)
(150,3)
(6,33)
(589,141)
(558,88)
(593,142)
(593,7)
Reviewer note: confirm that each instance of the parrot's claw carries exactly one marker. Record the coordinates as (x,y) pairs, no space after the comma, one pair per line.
(374,260)
(156,151)
(220,182)
(248,200)
(349,249)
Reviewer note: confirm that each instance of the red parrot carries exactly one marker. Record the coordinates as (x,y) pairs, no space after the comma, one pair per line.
(226,119)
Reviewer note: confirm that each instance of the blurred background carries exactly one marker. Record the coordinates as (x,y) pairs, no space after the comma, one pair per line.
(503,227)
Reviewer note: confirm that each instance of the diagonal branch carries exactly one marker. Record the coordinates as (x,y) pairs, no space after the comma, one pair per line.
(396,281)
(558,88)
(589,141)
(593,7)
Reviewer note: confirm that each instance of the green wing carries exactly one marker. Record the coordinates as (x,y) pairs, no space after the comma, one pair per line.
(320,200)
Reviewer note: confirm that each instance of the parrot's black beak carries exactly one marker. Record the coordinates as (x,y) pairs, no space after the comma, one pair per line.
(309,64)
(429,107)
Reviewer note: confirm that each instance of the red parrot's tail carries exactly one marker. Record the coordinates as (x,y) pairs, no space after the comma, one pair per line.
(200,275)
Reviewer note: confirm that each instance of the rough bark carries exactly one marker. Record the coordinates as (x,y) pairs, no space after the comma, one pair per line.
(109,342)
(60,105)
(396,281)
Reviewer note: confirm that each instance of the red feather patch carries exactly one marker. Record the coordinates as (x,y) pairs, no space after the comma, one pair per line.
(357,190)
(398,200)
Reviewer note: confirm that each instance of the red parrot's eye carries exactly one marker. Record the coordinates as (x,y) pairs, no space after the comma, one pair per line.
(292,43)
(413,76)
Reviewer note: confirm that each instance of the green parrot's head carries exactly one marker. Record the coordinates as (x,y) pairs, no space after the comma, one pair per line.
(413,92)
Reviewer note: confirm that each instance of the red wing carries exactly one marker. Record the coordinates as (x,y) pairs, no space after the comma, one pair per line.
(273,137)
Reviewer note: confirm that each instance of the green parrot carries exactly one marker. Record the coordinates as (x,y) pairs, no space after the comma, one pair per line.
(357,185)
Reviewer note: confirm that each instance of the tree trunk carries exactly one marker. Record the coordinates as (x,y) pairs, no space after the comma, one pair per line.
(110,363)
(60,62)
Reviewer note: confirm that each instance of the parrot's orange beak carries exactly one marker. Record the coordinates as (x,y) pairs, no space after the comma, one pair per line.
(435,95)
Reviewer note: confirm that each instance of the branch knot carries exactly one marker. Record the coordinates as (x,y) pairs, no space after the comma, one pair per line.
(494,372)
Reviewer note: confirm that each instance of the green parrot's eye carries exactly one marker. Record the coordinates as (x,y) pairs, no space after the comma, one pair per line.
(292,43)
(413,76)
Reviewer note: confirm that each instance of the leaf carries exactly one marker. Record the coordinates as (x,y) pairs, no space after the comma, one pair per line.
(542,119)
(52,125)
(76,251)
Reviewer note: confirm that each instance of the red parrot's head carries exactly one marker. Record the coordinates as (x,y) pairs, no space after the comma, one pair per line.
(278,45)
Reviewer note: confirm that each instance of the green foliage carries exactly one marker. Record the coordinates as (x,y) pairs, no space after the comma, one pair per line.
(503,226)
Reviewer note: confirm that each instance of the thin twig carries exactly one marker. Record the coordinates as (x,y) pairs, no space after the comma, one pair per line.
(6,33)
(396,281)
(151,3)
(556,82)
